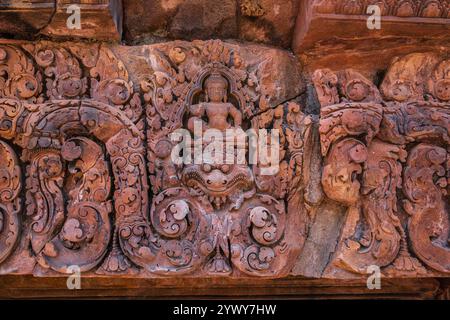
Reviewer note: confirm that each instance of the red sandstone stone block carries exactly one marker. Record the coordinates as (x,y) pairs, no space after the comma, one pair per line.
(100,20)
(21,18)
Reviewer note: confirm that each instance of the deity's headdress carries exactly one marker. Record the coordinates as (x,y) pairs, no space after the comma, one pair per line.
(216,77)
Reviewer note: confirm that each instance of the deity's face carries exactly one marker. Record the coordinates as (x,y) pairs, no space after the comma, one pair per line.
(216,88)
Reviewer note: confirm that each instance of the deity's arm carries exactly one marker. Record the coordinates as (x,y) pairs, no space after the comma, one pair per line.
(236,115)
(197,110)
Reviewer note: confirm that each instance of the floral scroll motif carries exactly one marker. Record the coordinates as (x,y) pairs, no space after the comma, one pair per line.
(10,202)
(387,162)
(235,220)
(96,185)
(77,119)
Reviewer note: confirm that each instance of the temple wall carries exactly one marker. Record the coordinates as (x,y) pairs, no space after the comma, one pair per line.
(90,118)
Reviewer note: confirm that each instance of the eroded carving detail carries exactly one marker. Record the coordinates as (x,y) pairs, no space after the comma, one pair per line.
(213,219)
(230,222)
(426,188)
(402,145)
(77,118)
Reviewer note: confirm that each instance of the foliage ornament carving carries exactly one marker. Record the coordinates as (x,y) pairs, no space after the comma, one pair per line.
(78,121)
(87,176)
(219,218)
(387,162)
(398,8)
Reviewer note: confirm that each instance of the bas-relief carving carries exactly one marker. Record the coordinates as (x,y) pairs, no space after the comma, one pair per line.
(100,194)
(213,218)
(387,161)
(98,189)
(83,152)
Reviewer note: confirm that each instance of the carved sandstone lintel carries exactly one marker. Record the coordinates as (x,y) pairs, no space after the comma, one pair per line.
(99,19)
(407,151)
(75,115)
(87,199)
(235,219)
(10,202)
(25,18)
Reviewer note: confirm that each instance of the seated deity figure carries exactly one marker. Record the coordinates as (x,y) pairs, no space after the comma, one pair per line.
(216,108)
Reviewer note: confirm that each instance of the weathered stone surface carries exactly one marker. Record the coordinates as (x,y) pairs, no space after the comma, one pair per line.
(388,163)
(87,122)
(219,288)
(182,19)
(335,33)
(266,21)
(321,241)
(190,19)
(99,19)
(87,176)
(22,19)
